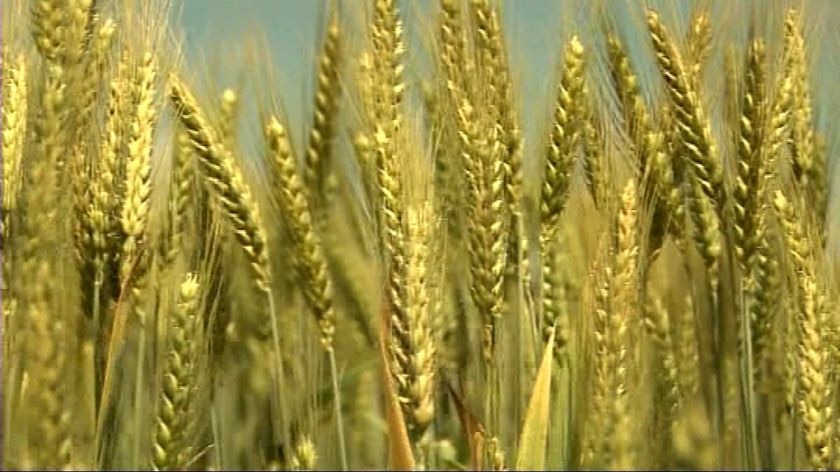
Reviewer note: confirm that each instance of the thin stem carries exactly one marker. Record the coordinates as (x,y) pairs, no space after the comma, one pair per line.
(339,420)
(279,384)
(720,365)
(138,394)
(217,437)
(97,332)
(747,385)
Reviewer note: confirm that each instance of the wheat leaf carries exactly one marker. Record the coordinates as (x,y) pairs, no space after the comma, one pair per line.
(532,444)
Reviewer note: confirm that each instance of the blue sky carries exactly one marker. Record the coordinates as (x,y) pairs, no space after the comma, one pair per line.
(214,30)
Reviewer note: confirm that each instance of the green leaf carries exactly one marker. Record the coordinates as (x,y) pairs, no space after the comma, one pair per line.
(532,441)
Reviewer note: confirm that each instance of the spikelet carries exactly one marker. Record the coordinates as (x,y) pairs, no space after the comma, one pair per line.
(77,30)
(687,352)
(49,18)
(180,194)
(228,110)
(90,84)
(594,154)
(453,46)
(764,285)
(636,118)
(47,359)
(555,309)
(305,456)
(794,232)
(388,136)
(698,43)
(595,449)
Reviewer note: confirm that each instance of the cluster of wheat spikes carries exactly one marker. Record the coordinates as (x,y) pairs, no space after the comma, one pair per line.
(649,282)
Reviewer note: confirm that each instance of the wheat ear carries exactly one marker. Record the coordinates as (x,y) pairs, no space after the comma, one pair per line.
(47,361)
(304,456)
(555,309)
(624,317)
(693,126)
(228,188)
(226,182)
(658,323)
(308,252)
(327,95)
(747,195)
(170,447)
(138,186)
(15,109)
(814,388)
(413,349)
(698,43)
(796,66)
(564,135)
(490,42)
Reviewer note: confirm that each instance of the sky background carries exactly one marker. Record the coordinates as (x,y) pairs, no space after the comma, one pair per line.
(214,29)
(291,27)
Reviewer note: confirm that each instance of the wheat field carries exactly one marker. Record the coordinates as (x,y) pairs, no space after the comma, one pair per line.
(432,269)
